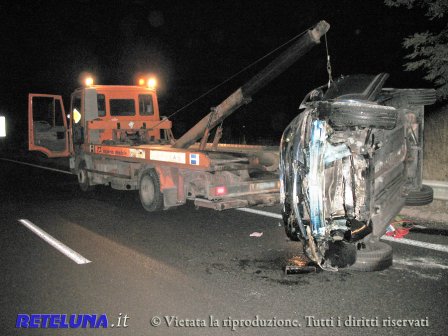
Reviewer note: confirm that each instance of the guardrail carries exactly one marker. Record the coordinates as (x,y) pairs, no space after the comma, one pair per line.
(440,189)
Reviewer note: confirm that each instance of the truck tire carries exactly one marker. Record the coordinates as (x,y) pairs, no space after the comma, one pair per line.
(83,177)
(149,190)
(363,116)
(377,256)
(423,196)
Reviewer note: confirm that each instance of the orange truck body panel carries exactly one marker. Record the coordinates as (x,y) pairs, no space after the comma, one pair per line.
(155,154)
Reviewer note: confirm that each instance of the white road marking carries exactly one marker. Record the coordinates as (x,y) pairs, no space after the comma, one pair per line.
(73,255)
(413,266)
(37,166)
(421,262)
(431,246)
(421,274)
(260,212)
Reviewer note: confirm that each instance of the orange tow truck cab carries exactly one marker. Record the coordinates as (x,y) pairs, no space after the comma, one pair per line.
(110,113)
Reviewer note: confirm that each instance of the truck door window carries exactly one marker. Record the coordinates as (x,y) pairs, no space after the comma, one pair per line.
(47,111)
(145,105)
(48,123)
(101,105)
(122,107)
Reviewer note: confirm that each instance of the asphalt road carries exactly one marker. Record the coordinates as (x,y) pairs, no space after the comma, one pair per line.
(186,265)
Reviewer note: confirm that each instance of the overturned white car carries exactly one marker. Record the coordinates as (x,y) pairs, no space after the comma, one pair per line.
(349,162)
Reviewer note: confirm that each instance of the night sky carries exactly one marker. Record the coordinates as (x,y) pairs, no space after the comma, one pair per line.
(193,46)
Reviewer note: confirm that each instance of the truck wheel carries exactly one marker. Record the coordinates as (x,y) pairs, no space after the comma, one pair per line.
(149,190)
(344,116)
(376,256)
(423,196)
(83,177)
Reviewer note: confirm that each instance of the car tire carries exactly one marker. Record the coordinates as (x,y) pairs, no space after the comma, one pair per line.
(423,196)
(149,191)
(419,96)
(374,256)
(344,116)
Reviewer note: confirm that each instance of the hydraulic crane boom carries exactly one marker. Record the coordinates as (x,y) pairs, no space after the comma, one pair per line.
(243,94)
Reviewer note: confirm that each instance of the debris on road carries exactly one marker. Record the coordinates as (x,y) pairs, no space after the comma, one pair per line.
(399,228)
(256,234)
(299,264)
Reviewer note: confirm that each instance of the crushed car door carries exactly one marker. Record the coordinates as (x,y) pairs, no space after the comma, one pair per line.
(47,125)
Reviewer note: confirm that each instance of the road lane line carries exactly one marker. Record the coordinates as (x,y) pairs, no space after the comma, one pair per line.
(431,246)
(260,212)
(73,255)
(421,262)
(37,166)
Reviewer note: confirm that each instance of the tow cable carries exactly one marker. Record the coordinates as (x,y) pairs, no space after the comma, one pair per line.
(330,78)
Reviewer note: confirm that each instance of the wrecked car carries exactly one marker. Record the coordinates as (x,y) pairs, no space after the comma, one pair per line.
(349,162)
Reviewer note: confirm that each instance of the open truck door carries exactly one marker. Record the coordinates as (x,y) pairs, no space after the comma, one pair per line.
(47,125)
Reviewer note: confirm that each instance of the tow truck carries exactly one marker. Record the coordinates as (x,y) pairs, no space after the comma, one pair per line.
(114,135)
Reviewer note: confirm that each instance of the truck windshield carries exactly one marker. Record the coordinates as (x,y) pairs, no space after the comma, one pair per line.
(122,107)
